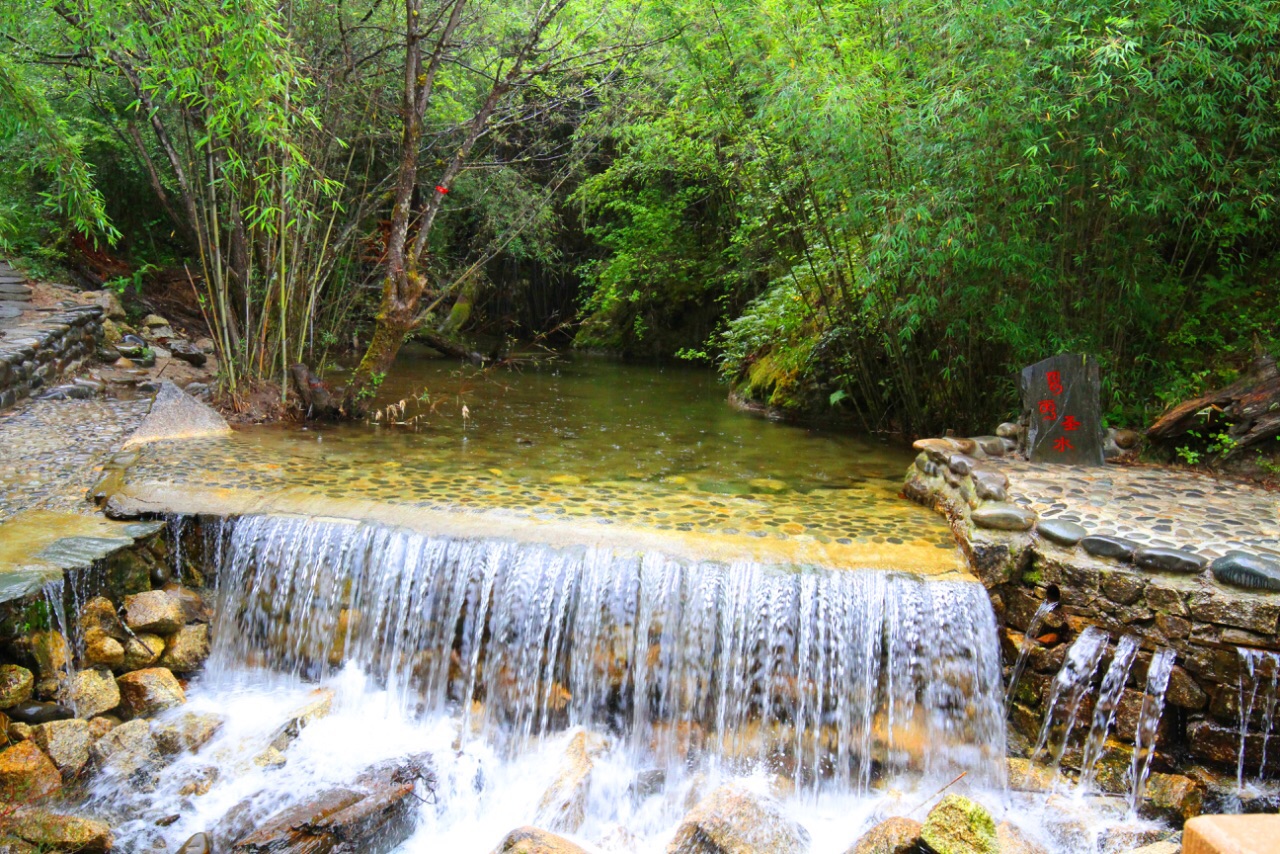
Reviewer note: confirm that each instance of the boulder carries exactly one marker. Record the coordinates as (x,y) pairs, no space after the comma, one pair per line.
(102,650)
(66,743)
(958,825)
(186,649)
(52,654)
(99,615)
(1173,796)
(93,692)
(734,819)
(896,835)
(1014,841)
(154,321)
(33,712)
(200,843)
(126,749)
(187,352)
(16,685)
(564,805)
(194,609)
(149,691)
(26,773)
(52,832)
(100,726)
(533,840)
(110,304)
(1002,516)
(188,733)
(337,816)
(154,612)
(142,651)
(177,415)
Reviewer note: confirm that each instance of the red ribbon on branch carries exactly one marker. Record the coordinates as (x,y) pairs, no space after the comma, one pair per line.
(441,190)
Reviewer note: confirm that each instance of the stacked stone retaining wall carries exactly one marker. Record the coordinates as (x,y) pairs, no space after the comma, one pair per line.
(44,349)
(1180,604)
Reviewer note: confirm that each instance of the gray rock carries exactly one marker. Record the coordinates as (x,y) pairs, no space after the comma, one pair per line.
(990,485)
(1003,517)
(961,464)
(1113,547)
(992,446)
(177,415)
(734,819)
(1241,569)
(1061,402)
(1060,531)
(1169,560)
(188,353)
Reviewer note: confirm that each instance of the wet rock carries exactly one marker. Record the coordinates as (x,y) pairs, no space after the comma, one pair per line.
(51,653)
(177,415)
(1003,517)
(992,446)
(1173,796)
(563,806)
(112,309)
(142,651)
(1254,612)
(1060,531)
(1184,692)
(126,749)
(961,464)
(1028,776)
(26,773)
(336,816)
(1169,560)
(94,691)
(16,685)
(271,758)
(317,708)
(194,609)
(990,485)
(100,726)
(897,835)
(103,650)
(187,352)
(533,840)
(186,649)
(958,825)
(1252,572)
(66,743)
(52,832)
(734,819)
(99,615)
(147,692)
(17,732)
(1013,841)
(35,712)
(1112,547)
(154,612)
(188,733)
(200,843)
(1120,840)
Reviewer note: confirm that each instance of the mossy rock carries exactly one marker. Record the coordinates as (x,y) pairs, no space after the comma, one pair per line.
(958,825)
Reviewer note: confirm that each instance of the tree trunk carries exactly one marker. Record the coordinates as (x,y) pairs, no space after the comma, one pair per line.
(1249,409)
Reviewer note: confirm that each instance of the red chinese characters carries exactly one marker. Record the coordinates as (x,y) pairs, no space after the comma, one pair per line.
(1062,444)
(1048,410)
(1055,381)
(1070,423)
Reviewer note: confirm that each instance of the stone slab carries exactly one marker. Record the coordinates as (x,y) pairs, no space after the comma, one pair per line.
(15,297)
(1232,834)
(177,415)
(1061,402)
(38,546)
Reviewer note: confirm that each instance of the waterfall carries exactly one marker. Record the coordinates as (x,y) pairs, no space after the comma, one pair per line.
(1070,685)
(1033,629)
(830,677)
(1144,739)
(1104,710)
(1259,671)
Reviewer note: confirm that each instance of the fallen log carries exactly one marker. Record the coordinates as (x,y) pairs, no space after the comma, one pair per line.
(1249,409)
(449,347)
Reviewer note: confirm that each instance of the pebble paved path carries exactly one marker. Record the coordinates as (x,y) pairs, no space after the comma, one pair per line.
(52,451)
(1151,506)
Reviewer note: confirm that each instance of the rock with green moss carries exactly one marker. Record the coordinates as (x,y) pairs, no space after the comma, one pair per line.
(16,685)
(958,825)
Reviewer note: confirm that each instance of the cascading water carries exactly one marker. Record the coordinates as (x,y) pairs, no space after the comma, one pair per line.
(1104,710)
(1144,739)
(826,677)
(1028,640)
(1259,680)
(1070,685)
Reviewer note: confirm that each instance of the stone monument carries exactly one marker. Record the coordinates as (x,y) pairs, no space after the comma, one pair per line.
(1062,411)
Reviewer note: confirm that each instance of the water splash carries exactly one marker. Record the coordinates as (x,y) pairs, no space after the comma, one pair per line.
(1144,739)
(1070,685)
(1028,639)
(824,676)
(1104,710)
(1259,671)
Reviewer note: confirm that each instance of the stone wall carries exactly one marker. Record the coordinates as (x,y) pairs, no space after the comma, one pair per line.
(1185,609)
(38,353)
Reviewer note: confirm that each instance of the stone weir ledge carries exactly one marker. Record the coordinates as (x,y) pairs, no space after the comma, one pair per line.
(1178,560)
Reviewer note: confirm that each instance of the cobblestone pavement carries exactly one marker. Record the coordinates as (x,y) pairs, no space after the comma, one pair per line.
(1151,506)
(53,451)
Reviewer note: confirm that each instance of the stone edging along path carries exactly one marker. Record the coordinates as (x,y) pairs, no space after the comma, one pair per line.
(1176,559)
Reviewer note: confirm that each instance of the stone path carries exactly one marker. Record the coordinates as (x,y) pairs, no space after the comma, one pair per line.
(1151,506)
(53,451)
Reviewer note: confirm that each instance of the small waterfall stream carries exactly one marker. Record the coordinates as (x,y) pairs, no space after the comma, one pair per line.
(1028,640)
(1144,739)
(826,677)
(1104,710)
(1070,686)
(1259,682)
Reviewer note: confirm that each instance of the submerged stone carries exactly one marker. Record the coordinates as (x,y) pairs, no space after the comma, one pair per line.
(896,835)
(1253,572)
(1112,547)
(1169,560)
(734,819)
(1060,531)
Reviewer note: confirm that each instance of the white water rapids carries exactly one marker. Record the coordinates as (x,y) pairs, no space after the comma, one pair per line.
(852,696)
